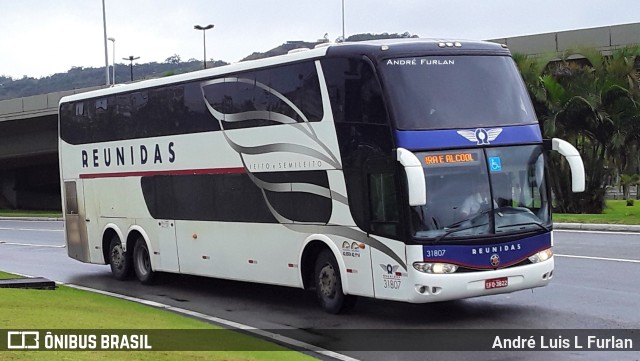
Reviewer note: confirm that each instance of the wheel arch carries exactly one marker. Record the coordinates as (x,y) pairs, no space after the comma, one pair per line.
(136,232)
(313,246)
(110,230)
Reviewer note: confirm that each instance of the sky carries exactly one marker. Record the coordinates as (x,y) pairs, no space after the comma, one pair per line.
(43,37)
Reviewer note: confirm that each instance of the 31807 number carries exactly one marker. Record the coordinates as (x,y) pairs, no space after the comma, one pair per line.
(431,253)
(392,284)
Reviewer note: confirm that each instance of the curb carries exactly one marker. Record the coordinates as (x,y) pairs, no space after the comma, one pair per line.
(598,227)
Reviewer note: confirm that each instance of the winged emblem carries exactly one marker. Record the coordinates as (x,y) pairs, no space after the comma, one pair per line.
(389,268)
(481,136)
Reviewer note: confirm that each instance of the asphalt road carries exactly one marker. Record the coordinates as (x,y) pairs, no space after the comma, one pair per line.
(595,286)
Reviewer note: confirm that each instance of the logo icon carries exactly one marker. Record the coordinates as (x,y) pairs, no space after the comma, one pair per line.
(495,260)
(23,340)
(389,268)
(481,136)
(495,164)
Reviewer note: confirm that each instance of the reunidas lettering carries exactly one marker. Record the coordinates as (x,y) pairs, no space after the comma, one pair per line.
(128,155)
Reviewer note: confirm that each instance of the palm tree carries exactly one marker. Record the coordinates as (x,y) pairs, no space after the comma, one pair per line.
(626,181)
(592,104)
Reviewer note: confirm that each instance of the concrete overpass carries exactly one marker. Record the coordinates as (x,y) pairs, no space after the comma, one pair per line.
(606,39)
(29,176)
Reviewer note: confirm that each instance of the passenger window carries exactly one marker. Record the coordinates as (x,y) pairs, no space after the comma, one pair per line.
(354,91)
(383,201)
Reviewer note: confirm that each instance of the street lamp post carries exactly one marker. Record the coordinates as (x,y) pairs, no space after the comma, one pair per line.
(204,39)
(343,35)
(113,80)
(106,56)
(131,58)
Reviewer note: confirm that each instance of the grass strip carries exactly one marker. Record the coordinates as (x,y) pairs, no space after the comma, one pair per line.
(69,308)
(616,212)
(28,213)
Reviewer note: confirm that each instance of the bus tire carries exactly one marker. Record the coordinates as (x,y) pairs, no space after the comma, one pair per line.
(142,262)
(329,285)
(119,260)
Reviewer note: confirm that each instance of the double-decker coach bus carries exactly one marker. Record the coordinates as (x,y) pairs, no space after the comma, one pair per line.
(408,170)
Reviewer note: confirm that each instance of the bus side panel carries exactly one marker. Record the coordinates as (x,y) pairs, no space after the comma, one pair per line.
(257,252)
(92,200)
(390,278)
(357,262)
(163,249)
(118,202)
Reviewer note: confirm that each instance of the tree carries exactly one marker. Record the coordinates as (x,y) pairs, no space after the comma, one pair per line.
(626,181)
(173,59)
(592,103)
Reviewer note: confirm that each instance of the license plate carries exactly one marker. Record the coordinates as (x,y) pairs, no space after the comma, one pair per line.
(496,283)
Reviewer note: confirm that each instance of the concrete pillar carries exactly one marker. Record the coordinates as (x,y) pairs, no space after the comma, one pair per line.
(8,194)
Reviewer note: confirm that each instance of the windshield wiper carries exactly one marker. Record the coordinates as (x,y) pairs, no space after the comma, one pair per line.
(453,228)
(451,231)
(470,218)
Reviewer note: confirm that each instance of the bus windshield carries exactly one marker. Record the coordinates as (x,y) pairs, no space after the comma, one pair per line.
(478,192)
(449,92)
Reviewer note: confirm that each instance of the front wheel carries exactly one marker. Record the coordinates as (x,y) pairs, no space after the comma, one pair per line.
(329,285)
(142,262)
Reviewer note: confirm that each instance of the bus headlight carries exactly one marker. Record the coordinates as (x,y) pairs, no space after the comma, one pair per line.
(542,256)
(438,268)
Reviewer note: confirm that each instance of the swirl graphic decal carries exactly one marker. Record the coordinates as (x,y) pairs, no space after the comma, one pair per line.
(276,139)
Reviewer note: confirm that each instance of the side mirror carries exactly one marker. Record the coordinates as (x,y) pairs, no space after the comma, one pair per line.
(575,163)
(416,184)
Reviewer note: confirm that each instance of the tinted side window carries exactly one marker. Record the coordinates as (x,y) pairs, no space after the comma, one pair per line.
(285,94)
(354,91)
(235,197)
(141,114)
(383,201)
(362,126)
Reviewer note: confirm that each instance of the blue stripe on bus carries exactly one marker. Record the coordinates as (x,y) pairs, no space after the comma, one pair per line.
(451,138)
(480,256)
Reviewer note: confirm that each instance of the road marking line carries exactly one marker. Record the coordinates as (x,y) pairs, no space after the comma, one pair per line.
(599,258)
(249,329)
(32,244)
(30,229)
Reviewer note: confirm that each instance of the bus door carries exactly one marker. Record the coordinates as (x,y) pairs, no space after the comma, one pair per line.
(385,225)
(75,222)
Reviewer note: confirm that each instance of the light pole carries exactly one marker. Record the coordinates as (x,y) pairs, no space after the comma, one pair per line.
(106,53)
(131,58)
(343,38)
(204,39)
(113,80)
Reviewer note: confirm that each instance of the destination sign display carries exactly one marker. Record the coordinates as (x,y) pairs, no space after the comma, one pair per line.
(450,158)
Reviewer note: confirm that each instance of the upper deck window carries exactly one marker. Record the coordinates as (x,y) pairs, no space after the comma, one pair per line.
(452,92)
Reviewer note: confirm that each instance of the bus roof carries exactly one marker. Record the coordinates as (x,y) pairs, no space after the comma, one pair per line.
(374,49)
(377,49)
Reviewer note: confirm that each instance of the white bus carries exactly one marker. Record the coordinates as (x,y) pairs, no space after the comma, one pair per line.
(348,169)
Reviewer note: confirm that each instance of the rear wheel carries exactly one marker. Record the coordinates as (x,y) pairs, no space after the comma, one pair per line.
(329,285)
(142,262)
(119,260)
